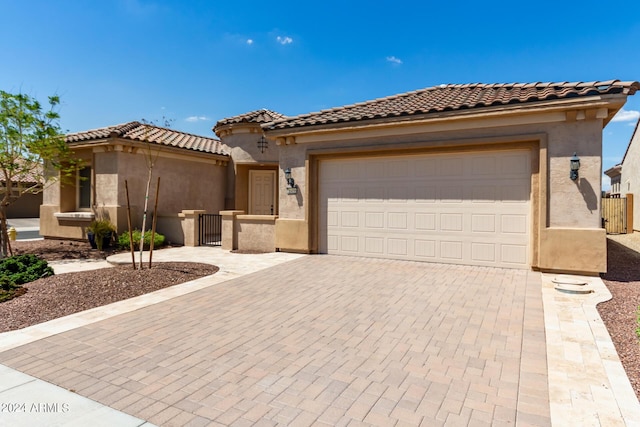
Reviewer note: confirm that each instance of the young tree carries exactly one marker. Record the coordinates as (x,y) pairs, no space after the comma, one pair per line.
(150,158)
(30,137)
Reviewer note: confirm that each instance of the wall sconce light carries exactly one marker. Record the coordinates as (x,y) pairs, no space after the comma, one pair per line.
(291,184)
(263,144)
(574,165)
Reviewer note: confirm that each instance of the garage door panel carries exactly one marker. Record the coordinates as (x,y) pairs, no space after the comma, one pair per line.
(483,223)
(406,208)
(374,245)
(514,254)
(425,221)
(374,220)
(483,252)
(424,248)
(514,224)
(397,168)
(349,243)
(451,250)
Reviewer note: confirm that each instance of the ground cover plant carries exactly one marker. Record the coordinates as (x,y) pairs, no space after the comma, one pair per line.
(17,270)
(123,239)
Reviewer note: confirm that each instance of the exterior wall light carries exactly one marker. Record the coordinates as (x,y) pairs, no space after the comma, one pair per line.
(263,144)
(574,165)
(291,184)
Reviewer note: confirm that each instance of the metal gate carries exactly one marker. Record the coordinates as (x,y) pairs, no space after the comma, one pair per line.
(210,229)
(614,215)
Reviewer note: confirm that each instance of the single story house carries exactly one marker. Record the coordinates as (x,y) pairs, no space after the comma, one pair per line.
(615,175)
(26,193)
(504,175)
(192,169)
(472,174)
(630,177)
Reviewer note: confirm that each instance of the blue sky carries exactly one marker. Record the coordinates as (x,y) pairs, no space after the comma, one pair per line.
(196,62)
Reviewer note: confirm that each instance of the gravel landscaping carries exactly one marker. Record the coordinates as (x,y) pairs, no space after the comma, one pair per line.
(69,293)
(620,313)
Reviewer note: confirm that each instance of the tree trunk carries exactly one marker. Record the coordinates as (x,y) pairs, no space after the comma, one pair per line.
(4,235)
(144,215)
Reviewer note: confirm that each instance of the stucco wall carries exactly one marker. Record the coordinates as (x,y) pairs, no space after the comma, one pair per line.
(242,144)
(564,204)
(630,181)
(571,203)
(183,185)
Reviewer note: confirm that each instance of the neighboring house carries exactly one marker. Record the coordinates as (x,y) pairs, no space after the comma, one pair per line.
(615,174)
(630,178)
(26,194)
(470,174)
(192,170)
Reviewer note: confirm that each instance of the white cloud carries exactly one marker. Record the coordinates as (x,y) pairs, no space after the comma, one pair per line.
(626,116)
(394,60)
(193,119)
(249,42)
(284,40)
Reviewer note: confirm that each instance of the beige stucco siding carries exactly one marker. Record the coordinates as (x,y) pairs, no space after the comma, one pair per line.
(105,171)
(575,204)
(183,185)
(630,181)
(186,182)
(559,205)
(571,204)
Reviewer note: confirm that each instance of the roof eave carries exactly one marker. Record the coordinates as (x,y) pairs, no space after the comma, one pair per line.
(134,143)
(613,102)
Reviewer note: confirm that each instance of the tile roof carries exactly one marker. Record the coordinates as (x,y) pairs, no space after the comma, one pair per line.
(136,131)
(443,98)
(258,116)
(29,176)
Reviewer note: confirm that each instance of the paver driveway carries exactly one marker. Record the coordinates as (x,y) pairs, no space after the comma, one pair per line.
(319,340)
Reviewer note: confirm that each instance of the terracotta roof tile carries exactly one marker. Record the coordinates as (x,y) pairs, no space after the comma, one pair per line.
(451,97)
(258,116)
(136,131)
(31,176)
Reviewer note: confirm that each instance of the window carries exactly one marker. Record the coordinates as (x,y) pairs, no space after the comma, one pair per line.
(84,188)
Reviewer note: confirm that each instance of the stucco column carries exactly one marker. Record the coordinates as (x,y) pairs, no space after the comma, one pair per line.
(189,222)
(230,229)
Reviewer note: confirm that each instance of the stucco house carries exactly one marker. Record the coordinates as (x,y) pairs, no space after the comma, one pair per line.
(192,170)
(471,174)
(475,174)
(26,194)
(630,177)
(615,175)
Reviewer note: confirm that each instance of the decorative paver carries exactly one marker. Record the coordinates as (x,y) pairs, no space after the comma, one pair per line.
(322,339)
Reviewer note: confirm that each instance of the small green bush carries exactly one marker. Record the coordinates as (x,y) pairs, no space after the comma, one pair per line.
(123,239)
(18,270)
(21,269)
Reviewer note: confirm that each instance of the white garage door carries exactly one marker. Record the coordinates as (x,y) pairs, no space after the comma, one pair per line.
(465,208)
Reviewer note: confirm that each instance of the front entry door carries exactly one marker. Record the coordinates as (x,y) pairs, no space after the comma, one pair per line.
(262,198)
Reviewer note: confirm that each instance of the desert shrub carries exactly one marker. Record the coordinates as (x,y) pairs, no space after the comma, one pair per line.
(123,239)
(21,269)
(18,270)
